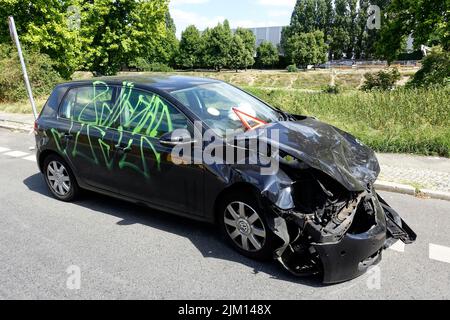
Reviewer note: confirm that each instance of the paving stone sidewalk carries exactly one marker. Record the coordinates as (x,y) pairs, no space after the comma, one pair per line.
(419,172)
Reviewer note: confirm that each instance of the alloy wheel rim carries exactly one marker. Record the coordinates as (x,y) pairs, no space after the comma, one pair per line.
(58,178)
(245,227)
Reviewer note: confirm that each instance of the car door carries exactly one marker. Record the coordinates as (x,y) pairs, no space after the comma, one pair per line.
(146,168)
(90,134)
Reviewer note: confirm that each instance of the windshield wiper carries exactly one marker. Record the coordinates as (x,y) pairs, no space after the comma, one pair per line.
(284,116)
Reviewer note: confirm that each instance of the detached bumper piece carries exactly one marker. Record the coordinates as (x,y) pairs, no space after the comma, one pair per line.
(343,249)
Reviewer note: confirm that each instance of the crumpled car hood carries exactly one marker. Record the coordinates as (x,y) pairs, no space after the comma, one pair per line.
(325,148)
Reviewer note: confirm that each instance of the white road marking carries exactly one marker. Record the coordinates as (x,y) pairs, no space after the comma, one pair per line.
(30,158)
(399,246)
(2,149)
(17,154)
(439,253)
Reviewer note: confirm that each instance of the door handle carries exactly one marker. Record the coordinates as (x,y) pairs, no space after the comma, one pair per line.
(68,136)
(123,149)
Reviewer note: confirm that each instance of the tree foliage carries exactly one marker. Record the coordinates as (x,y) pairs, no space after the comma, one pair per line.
(307,48)
(267,54)
(191,44)
(41,70)
(382,80)
(426,21)
(120,31)
(106,34)
(165,51)
(238,54)
(435,70)
(217,46)
(343,22)
(249,41)
(43,25)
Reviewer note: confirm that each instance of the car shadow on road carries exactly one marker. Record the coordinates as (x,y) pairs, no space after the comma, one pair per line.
(204,237)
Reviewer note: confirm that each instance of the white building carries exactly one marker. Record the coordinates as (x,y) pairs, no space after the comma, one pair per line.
(271,34)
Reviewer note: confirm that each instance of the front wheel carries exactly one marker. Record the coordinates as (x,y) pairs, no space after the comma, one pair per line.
(244,226)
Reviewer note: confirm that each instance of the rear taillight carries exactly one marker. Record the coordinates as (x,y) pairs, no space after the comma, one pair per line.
(36,126)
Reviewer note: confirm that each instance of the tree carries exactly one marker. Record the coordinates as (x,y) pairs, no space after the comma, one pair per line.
(308,16)
(43,25)
(426,21)
(307,48)
(217,46)
(249,40)
(121,31)
(435,70)
(238,53)
(166,50)
(267,54)
(190,48)
(304,18)
(340,33)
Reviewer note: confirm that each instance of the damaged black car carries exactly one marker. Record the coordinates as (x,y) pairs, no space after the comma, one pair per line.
(280,186)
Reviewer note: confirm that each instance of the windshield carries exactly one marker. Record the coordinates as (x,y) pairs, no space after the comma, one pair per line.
(226,109)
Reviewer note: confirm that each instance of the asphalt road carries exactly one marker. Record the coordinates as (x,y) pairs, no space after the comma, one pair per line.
(125,251)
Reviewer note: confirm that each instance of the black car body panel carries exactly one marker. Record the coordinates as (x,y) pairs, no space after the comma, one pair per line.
(321,202)
(329,150)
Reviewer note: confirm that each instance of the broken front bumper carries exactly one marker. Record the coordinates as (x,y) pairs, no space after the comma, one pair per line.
(353,253)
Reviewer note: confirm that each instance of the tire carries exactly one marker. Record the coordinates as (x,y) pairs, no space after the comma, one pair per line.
(253,229)
(60,179)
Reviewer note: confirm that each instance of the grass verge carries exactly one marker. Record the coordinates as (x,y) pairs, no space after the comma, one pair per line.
(401,121)
(22,106)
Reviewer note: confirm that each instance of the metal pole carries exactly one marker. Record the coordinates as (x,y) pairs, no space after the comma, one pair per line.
(15,37)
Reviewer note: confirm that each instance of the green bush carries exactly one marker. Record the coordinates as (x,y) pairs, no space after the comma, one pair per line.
(41,72)
(435,70)
(332,89)
(145,65)
(292,68)
(382,80)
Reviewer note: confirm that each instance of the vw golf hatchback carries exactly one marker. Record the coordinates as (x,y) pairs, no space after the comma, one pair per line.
(142,139)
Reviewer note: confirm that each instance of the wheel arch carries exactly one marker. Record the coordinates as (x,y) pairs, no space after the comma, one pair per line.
(48,152)
(43,155)
(234,188)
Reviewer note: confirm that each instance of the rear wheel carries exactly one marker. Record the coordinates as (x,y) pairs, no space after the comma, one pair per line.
(60,179)
(244,226)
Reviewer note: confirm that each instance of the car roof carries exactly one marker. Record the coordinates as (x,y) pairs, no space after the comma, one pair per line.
(167,83)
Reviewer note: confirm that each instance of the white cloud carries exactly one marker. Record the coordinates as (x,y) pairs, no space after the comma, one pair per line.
(186,18)
(278,3)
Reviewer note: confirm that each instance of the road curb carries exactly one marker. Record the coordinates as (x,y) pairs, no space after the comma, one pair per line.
(409,190)
(395,187)
(439,195)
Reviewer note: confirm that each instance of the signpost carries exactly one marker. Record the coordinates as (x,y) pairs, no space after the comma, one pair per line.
(15,37)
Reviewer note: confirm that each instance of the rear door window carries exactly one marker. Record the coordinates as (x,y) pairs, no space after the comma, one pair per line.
(91,105)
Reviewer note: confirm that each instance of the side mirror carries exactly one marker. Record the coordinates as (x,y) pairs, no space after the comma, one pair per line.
(172,139)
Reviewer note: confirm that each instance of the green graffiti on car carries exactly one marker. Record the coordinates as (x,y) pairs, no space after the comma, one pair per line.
(140,123)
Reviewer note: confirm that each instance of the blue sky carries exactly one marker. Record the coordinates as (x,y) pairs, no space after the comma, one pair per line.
(240,13)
